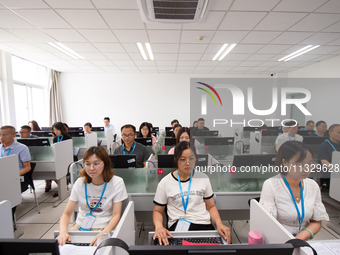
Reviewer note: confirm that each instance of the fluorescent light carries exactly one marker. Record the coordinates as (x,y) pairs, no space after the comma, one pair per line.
(225,49)
(145,48)
(61,47)
(299,52)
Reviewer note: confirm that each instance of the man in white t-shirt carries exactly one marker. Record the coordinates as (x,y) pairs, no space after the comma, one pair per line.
(107,125)
(290,135)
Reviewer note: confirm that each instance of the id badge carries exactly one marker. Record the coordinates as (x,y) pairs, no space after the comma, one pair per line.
(87,222)
(182,225)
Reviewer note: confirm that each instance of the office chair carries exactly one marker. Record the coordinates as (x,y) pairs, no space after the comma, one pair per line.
(29,178)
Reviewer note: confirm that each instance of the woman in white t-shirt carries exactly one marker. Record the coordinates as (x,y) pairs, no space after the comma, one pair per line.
(188,197)
(292,198)
(99,193)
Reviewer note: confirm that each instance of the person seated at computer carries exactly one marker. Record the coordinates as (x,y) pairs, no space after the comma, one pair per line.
(188,197)
(291,135)
(321,128)
(292,198)
(195,123)
(263,127)
(174,122)
(130,146)
(326,150)
(99,193)
(201,125)
(34,125)
(175,130)
(25,132)
(108,125)
(310,125)
(87,128)
(145,131)
(182,135)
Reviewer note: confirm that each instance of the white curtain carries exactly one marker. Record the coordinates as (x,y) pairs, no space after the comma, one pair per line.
(55,100)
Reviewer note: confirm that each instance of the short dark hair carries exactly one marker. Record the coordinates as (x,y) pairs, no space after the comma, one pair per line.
(309,122)
(9,127)
(107,118)
(174,121)
(144,124)
(59,126)
(289,149)
(181,131)
(180,147)
(332,127)
(128,126)
(26,127)
(88,124)
(319,123)
(290,124)
(200,119)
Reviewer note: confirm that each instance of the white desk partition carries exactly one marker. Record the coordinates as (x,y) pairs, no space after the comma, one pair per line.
(10,180)
(334,190)
(255,143)
(109,138)
(57,167)
(91,140)
(6,222)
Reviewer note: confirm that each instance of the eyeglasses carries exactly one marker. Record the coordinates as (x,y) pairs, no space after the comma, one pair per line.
(22,132)
(95,165)
(4,135)
(127,136)
(185,160)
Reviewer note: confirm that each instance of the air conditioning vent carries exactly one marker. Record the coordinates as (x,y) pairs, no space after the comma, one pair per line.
(173,11)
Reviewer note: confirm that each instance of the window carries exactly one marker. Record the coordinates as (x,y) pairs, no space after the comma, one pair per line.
(30,92)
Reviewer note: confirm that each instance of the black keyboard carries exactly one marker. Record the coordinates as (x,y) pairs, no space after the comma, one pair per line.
(178,241)
(79,244)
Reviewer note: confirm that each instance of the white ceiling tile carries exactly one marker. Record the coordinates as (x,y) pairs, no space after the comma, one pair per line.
(208,57)
(187,63)
(131,36)
(270,63)
(126,67)
(27,48)
(290,37)
(162,26)
(117,56)
(241,68)
(185,68)
(110,68)
(120,63)
(299,6)
(65,35)
(207,63)
(232,57)
(166,68)
(306,57)
(320,38)
(102,62)
(323,50)
(258,69)
(148,68)
(83,18)
(163,56)
(230,63)
(145,63)
(94,35)
(260,37)
(136,56)
(123,19)
(10,20)
(8,37)
(273,49)
(166,63)
(81,47)
(259,57)
(246,48)
(115,4)
(67,4)
(203,69)
(93,56)
(210,23)
(131,47)
(162,36)
(36,4)
(189,56)
(164,47)
(332,6)
(32,35)
(218,5)
(44,18)
(249,63)
(315,22)
(335,42)
(253,5)
(213,48)
(279,21)
(192,48)
(192,36)
(335,28)
(109,47)
(241,20)
(228,36)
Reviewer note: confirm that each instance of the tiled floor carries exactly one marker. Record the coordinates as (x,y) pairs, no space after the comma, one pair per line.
(43,225)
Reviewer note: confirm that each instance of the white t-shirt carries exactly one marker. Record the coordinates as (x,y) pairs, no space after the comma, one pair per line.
(168,193)
(281,139)
(115,192)
(276,199)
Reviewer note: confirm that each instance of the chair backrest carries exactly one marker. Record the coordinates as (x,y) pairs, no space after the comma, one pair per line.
(29,176)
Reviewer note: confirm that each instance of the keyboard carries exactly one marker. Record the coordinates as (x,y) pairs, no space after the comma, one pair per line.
(178,241)
(79,244)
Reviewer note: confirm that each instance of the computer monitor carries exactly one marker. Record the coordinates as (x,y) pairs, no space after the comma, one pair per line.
(123,161)
(34,141)
(155,129)
(168,131)
(169,141)
(145,141)
(275,128)
(206,133)
(201,160)
(254,160)
(42,133)
(251,129)
(75,129)
(239,249)
(219,141)
(314,140)
(306,132)
(271,132)
(78,133)
(29,246)
(46,129)
(166,161)
(97,128)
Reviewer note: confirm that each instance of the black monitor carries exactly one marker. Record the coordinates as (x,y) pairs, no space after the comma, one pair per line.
(314,139)
(166,161)
(147,141)
(29,246)
(42,133)
(306,132)
(271,132)
(219,141)
(34,141)
(275,128)
(97,128)
(76,133)
(75,129)
(169,141)
(201,160)
(154,133)
(123,161)
(254,160)
(155,129)
(239,249)
(48,129)
(251,129)
(206,132)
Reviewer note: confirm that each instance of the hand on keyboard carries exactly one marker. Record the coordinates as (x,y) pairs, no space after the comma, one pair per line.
(63,238)
(224,231)
(79,244)
(192,241)
(161,235)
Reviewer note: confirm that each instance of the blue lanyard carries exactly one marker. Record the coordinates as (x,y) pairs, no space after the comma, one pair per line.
(60,139)
(185,204)
(331,145)
(2,152)
(87,202)
(134,146)
(290,138)
(30,135)
(302,202)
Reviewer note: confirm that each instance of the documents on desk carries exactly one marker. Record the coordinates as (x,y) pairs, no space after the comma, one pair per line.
(69,249)
(326,248)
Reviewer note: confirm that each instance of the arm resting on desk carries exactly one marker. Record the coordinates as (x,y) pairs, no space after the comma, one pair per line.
(326,162)
(223,230)
(314,226)
(64,221)
(26,169)
(160,232)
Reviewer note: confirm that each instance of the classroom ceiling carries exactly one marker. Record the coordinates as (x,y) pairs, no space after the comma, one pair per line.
(105,33)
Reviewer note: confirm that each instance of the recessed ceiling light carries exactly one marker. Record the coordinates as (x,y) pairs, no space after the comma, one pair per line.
(223,51)
(145,50)
(64,49)
(299,52)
